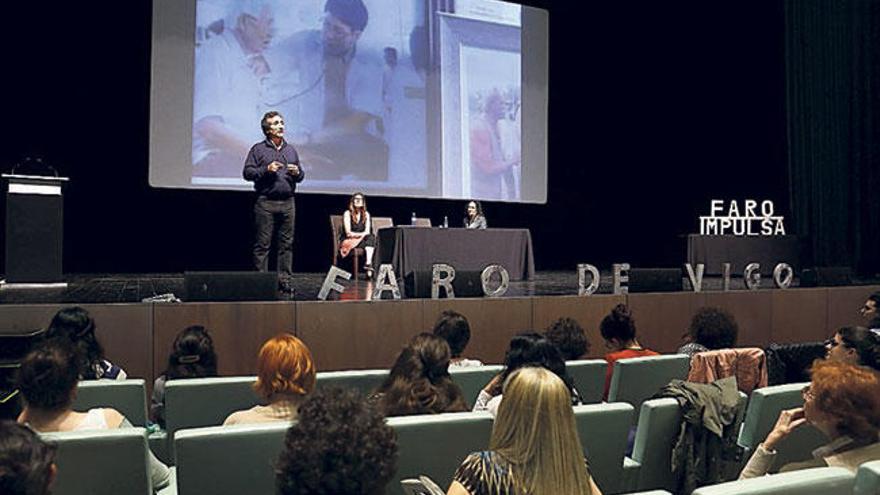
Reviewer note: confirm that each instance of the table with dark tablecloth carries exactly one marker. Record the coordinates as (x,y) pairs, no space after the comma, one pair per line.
(739,251)
(410,249)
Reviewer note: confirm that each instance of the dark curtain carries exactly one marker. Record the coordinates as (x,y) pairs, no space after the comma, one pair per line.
(832,95)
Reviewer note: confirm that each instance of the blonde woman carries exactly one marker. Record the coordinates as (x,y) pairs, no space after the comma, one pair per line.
(534,448)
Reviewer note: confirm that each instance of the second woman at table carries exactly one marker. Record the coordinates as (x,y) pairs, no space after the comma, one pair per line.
(358,230)
(474,218)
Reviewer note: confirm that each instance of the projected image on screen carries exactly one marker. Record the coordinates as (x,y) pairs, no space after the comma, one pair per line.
(397,97)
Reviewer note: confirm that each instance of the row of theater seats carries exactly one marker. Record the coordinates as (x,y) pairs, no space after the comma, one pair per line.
(212,459)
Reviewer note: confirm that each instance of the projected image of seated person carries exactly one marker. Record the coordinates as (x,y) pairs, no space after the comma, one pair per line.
(230,68)
(331,88)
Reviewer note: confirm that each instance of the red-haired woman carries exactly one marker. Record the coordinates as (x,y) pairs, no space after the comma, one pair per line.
(358,230)
(285,375)
(843,402)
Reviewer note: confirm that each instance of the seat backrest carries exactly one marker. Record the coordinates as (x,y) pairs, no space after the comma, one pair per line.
(589,378)
(365,381)
(656,434)
(765,405)
(868,479)
(196,402)
(229,460)
(381,223)
(423,222)
(638,379)
(436,444)
(603,430)
(336,232)
(101,462)
(126,396)
(818,481)
(472,379)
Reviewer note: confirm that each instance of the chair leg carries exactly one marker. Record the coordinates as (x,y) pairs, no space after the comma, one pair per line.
(356,261)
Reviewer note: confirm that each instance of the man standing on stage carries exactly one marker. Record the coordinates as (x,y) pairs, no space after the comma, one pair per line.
(273,166)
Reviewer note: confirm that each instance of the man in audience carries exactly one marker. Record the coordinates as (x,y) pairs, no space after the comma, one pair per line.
(869,310)
(27,464)
(455,329)
(340,445)
(569,337)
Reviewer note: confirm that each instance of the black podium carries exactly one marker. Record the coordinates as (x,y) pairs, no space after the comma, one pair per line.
(34,231)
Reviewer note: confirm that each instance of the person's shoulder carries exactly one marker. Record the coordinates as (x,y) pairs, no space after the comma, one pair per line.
(112,417)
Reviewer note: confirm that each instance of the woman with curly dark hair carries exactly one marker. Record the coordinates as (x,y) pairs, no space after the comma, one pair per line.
(710,329)
(569,336)
(77,326)
(419,381)
(192,356)
(843,402)
(340,445)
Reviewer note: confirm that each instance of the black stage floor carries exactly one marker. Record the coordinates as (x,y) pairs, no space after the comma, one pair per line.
(131,288)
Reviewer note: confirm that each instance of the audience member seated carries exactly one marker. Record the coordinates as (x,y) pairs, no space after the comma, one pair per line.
(340,445)
(47,379)
(842,402)
(569,337)
(534,447)
(358,230)
(710,329)
(529,349)
(454,328)
(419,381)
(27,464)
(285,376)
(855,345)
(77,326)
(473,216)
(618,329)
(870,311)
(192,356)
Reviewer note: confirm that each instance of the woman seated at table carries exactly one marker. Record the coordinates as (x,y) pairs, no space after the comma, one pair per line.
(358,230)
(474,218)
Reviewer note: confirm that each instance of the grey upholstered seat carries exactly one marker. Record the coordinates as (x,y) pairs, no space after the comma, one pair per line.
(101,462)
(589,378)
(603,430)
(636,380)
(818,481)
(228,460)
(472,379)
(435,445)
(126,396)
(364,381)
(868,479)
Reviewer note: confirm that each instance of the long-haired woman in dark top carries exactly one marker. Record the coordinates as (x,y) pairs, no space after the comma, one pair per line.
(192,356)
(419,381)
(528,349)
(78,327)
(474,217)
(358,230)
